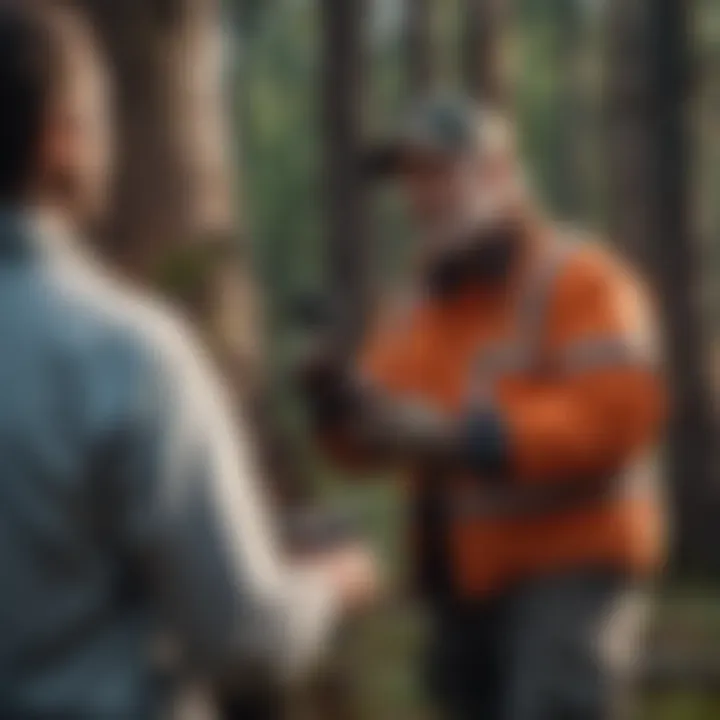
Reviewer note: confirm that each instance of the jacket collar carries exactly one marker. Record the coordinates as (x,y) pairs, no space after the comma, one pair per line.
(31,233)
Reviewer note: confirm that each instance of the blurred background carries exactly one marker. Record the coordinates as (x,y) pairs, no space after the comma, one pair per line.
(241,193)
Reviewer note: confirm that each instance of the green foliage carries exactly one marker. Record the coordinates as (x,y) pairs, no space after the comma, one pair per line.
(184,274)
(281,145)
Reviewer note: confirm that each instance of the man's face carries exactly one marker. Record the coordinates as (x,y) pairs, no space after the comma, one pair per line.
(76,161)
(432,186)
(453,198)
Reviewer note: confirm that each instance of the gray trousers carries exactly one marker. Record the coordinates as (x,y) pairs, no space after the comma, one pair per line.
(556,648)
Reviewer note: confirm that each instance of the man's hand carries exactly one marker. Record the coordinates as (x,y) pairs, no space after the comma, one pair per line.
(395,429)
(352,571)
(391,428)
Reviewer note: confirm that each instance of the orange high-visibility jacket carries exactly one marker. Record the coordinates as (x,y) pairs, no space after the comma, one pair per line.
(567,352)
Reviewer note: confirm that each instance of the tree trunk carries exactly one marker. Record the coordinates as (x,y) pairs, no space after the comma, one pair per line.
(568,179)
(483,65)
(420,46)
(343,92)
(174,178)
(650,179)
(174,221)
(629,108)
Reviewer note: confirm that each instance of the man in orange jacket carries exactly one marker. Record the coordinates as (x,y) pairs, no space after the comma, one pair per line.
(519,385)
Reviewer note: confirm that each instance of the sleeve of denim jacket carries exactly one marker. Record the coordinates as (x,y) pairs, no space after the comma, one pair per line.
(193,509)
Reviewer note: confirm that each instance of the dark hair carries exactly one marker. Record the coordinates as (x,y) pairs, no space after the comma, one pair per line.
(32,58)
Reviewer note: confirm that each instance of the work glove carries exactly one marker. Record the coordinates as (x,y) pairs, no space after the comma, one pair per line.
(484,443)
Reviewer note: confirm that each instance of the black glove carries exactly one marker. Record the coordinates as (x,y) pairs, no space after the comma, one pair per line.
(484,443)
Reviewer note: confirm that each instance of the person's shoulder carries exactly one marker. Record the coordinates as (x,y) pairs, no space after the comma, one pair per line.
(105,314)
(401,318)
(595,265)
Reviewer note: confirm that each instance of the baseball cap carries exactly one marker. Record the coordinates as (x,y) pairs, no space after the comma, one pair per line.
(446,127)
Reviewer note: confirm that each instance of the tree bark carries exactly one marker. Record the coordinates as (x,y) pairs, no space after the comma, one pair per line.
(343,93)
(174,179)
(629,108)
(174,220)
(420,46)
(567,169)
(483,65)
(650,82)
